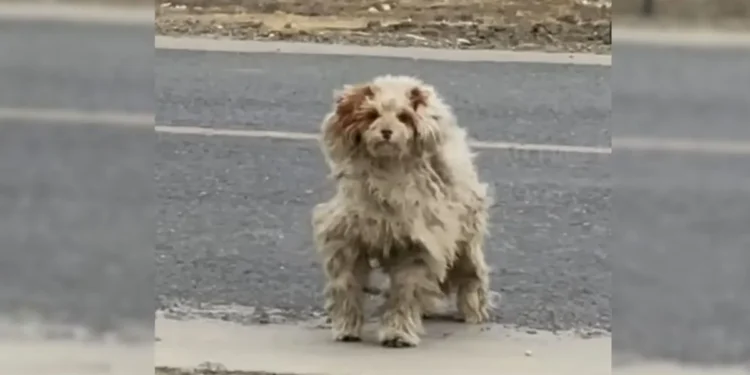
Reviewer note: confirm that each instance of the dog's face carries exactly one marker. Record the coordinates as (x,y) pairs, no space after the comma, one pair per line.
(389,126)
(382,119)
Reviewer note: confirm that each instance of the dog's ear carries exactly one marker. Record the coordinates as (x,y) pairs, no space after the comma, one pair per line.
(418,97)
(427,130)
(343,130)
(350,98)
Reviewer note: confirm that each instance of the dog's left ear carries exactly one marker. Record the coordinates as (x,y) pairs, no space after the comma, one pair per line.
(418,97)
(427,131)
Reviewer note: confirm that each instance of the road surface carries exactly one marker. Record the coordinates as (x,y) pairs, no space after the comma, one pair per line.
(74,195)
(681,265)
(235,212)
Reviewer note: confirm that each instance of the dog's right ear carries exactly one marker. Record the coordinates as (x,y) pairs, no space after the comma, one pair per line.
(342,130)
(350,98)
(349,102)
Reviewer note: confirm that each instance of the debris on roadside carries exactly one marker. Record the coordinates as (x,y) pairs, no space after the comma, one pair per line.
(550,25)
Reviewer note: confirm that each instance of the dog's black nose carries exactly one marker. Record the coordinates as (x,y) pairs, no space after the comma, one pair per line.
(386,133)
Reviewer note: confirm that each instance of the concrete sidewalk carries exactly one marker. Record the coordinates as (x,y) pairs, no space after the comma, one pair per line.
(448,349)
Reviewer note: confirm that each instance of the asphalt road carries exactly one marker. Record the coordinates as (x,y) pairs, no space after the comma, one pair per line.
(76,200)
(76,226)
(234,220)
(232,213)
(536,103)
(76,66)
(681,246)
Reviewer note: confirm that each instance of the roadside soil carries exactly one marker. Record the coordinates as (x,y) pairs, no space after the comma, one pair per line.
(719,14)
(548,25)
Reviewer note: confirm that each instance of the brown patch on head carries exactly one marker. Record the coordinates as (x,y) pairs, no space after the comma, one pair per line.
(352,98)
(417,98)
(352,115)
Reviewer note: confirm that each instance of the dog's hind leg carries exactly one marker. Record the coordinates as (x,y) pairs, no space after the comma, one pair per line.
(470,275)
(347,271)
(411,281)
(439,307)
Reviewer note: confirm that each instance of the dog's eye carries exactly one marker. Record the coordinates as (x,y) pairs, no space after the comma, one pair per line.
(372,115)
(405,118)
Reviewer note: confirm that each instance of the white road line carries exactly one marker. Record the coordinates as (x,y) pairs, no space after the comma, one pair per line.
(249,46)
(146,121)
(235,133)
(724,147)
(102,14)
(311,136)
(77,117)
(541,147)
(622,143)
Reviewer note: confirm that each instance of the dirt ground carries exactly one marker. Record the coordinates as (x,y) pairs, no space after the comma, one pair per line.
(551,25)
(718,13)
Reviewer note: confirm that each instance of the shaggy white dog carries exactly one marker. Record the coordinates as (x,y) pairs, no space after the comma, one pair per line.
(408,196)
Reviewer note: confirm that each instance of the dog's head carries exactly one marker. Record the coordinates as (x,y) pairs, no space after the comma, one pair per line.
(390,117)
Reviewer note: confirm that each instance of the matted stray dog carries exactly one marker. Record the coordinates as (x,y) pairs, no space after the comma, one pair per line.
(408,197)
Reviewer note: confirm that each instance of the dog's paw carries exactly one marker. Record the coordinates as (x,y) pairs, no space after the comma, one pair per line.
(475,319)
(394,339)
(346,333)
(397,342)
(482,313)
(476,316)
(346,328)
(346,337)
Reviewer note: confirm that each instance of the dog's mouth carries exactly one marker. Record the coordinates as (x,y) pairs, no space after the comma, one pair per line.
(385,148)
(385,143)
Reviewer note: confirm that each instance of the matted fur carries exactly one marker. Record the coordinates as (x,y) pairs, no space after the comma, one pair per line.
(408,196)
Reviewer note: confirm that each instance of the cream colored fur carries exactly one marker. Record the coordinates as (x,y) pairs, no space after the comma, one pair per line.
(411,201)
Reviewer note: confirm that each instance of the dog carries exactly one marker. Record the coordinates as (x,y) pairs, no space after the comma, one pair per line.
(408,196)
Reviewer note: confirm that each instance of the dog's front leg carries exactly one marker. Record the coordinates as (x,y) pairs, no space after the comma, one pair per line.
(347,272)
(402,319)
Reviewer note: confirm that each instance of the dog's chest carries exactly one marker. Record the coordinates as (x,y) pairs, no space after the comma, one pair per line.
(394,198)
(389,210)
